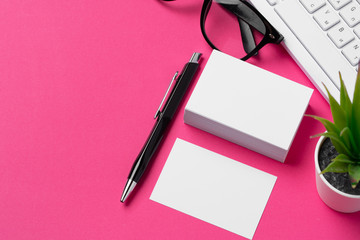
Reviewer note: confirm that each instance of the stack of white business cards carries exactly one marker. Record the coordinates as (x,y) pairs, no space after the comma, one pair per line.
(247,105)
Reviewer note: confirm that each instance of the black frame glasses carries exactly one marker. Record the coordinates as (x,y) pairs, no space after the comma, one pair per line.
(249,18)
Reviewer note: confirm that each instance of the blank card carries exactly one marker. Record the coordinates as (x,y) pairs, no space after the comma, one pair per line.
(247,105)
(213,188)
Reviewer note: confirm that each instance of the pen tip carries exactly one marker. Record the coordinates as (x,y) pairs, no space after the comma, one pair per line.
(130,184)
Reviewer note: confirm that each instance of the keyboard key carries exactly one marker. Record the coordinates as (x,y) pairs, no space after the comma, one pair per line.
(341,35)
(352,52)
(326,18)
(272,2)
(351,14)
(312,5)
(337,4)
(357,30)
(318,45)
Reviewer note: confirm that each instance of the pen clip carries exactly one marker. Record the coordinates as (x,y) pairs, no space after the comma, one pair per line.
(166,93)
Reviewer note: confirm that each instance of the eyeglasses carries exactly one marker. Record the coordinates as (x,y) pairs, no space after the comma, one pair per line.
(220,21)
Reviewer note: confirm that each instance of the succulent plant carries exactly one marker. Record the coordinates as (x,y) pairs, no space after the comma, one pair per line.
(344,132)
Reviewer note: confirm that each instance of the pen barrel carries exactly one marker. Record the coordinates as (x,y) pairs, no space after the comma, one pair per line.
(180,88)
(148,149)
(165,117)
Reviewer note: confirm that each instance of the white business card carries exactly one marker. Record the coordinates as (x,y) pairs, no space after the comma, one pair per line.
(213,188)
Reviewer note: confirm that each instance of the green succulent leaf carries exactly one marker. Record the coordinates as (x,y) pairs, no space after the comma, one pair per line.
(329,126)
(354,173)
(355,115)
(345,101)
(349,141)
(338,143)
(338,113)
(317,135)
(337,166)
(343,158)
(356,99)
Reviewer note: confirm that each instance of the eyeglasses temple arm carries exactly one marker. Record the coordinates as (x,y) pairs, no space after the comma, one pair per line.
(247,36)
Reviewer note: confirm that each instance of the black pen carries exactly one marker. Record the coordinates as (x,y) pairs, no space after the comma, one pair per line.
(163,117)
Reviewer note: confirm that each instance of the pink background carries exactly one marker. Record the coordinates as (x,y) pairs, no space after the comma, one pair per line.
(79,84)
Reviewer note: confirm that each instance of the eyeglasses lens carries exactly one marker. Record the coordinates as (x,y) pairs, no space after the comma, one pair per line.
(224,29)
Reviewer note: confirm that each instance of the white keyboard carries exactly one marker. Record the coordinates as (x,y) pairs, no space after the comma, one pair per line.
(322,36)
